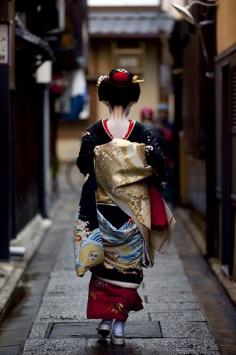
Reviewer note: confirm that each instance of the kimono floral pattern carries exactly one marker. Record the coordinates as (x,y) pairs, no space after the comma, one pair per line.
(81,231)
(107,301)
(88,247)
(115,308)
(123,247)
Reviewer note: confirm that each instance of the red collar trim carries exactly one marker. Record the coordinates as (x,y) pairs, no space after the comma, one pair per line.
(105,126)
(130,129)
(127,134)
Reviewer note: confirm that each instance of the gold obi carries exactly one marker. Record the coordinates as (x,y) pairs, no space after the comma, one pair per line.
(121,170)
(102,196)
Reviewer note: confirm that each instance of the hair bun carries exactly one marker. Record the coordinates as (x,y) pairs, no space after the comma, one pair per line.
(121,87)
(120,76)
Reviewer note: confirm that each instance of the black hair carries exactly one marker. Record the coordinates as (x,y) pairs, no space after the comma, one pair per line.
(118,88)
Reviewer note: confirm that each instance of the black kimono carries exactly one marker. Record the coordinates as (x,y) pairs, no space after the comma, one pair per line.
(96,214)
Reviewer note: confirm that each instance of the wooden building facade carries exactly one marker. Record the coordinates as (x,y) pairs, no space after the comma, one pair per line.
(205,94)
(32,31)
(131,38)
(226,137)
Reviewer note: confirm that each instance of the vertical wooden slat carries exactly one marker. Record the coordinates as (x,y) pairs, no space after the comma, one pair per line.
(26,148)
(226,184)
(225,132)
(5,146)
(233,169)
(233,132)
(233,88)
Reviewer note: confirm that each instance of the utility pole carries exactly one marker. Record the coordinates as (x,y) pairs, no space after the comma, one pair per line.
(5,133)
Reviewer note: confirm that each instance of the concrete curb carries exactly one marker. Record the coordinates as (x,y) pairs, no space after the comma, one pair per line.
(11,272)
(228,284)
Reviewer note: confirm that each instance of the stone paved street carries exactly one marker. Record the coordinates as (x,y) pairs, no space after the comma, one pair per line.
(170,305)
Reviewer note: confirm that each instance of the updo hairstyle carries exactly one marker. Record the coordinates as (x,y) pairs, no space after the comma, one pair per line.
(120,88)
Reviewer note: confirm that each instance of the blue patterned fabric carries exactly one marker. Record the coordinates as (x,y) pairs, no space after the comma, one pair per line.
(123,247)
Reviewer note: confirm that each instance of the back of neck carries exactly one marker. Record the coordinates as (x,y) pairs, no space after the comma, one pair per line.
(118,113)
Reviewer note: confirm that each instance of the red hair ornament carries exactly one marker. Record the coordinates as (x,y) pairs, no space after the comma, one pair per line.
(120,77)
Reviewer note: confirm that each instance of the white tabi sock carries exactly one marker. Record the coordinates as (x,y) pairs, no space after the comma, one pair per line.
(118,328)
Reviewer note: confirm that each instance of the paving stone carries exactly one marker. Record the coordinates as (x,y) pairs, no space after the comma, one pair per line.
(162,287)
(171,306)
(55,315)
(182,329)
(186,316)
(161,346)
(170,297)
(63,274)
(161,295)
(39,329)
(71,286)
(140,330)
(166,294)
(172,279)
(55,347)
(166,265)
(139,316)
(59,311)
(132,347)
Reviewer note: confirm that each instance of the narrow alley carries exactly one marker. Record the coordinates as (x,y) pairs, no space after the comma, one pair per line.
(186,311)
(141,96)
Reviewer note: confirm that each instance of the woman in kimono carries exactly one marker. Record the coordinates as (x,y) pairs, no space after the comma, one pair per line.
(120,158)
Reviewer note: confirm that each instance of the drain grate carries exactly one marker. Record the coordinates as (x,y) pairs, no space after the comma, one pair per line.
(87,330)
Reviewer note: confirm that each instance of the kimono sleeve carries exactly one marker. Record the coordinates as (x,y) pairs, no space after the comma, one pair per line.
(87,239)
(86,154)
(156,159)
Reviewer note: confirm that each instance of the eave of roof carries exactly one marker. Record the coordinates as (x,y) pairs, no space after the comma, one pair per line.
(148,24)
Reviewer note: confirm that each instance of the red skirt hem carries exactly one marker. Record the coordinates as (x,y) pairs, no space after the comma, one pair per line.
(107,301)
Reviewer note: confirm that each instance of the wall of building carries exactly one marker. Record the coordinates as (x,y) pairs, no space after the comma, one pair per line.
(226,24)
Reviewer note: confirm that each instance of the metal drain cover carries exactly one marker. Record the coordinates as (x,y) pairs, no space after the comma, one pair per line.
(87,330)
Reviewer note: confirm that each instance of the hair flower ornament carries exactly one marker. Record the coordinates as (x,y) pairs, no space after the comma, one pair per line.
(100,79)
(136,80)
